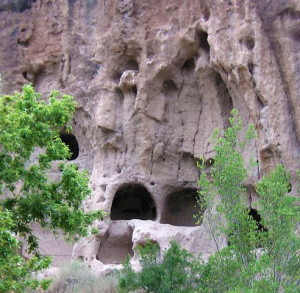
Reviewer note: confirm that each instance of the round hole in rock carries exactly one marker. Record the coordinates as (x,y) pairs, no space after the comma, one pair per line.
(133,201)
(25,75)
(180,208)
(71,141)
(116,245)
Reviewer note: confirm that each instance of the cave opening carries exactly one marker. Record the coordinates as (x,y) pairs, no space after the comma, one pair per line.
(189,66)
(180,208)
(253,213)
(130,64)
(203,42)
(169,88)
(133,201)
(71,141)
(134,90)
(25,75)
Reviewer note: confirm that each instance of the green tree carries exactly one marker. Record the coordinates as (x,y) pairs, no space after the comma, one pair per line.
(238,267)
(28,125)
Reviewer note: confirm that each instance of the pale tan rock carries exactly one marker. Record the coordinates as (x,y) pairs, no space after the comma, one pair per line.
(152,80)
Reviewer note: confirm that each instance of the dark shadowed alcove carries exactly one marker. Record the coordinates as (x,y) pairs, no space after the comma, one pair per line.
(203,43)
(71,141)
(253,213)
(133,201)
(180,208)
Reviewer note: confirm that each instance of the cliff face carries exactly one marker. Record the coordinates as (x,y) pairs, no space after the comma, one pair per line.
(152,80)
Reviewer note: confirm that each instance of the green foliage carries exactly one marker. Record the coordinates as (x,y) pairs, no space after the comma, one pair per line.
(16,273)
(238,268)
(30,125)
(175,273)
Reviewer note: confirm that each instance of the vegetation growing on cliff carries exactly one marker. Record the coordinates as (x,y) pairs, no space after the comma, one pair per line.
(28,125)
(176,272)
(256,260)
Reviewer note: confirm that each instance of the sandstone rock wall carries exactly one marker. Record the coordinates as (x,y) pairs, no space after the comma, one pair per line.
(152,80)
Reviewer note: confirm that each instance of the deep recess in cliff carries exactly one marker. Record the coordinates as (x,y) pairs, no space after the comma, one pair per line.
(152,80)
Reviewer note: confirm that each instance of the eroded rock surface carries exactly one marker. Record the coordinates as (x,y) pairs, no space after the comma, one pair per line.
(152,80)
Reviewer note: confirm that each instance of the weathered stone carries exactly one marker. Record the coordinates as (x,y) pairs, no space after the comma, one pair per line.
(153,79)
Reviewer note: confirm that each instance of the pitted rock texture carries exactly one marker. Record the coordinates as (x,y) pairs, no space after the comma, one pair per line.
(152,80)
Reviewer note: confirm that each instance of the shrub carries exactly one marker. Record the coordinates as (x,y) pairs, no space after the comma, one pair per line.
(175,273)
(78,278)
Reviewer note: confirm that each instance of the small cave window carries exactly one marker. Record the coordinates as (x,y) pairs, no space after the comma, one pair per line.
(71,141)
(131,65)
(253,213)
(169,88)
(203,43)
(189,66)
(134,90)
(25,75)
(133,201)
(124,66)
(180,208)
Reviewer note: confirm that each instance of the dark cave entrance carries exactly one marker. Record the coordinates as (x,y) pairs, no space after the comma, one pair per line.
(253,213)
(133,201)
(71,141)
(255,216)
(180,208)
